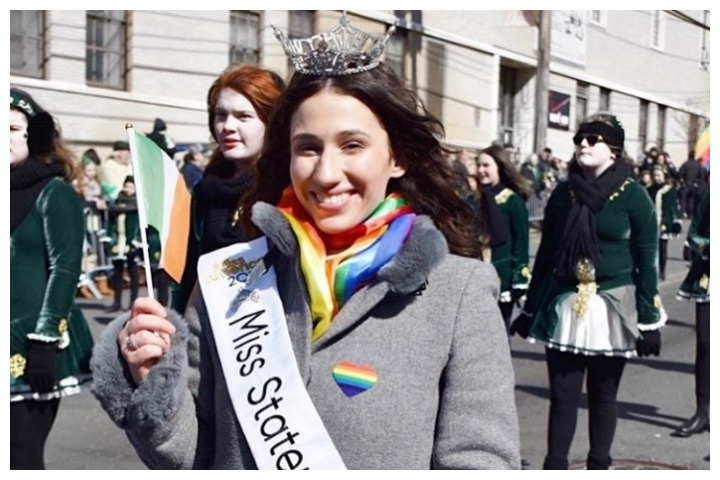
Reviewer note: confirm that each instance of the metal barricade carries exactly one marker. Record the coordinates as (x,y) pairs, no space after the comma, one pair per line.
(536,205)
(95,261)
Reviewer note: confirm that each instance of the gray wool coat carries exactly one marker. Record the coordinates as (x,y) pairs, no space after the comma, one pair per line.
(429,325)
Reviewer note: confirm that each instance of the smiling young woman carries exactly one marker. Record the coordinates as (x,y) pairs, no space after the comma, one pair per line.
(368,323)
(341,161)
(510,190)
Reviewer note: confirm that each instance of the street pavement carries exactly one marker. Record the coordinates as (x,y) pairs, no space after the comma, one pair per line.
(656,395)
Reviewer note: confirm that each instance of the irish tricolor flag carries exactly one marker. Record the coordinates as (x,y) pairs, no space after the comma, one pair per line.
(163,202)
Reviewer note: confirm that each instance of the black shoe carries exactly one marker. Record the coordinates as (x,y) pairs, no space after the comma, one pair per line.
(697,424)
(662,276)
(115,307)
(524,464)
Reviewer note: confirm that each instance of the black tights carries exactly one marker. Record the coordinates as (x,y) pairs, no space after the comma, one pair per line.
(30,424)
(161,282)
(566,372)
(506,310)
(702,357)
(117,282)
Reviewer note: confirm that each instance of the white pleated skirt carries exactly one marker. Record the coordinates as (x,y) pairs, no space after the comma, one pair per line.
(599,332)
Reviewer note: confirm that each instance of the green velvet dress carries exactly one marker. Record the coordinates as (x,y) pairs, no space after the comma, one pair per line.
(45,258)
(666,209)
(510,258)
(696,286)
(625,278)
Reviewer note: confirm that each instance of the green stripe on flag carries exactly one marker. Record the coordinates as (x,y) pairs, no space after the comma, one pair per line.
(150,161)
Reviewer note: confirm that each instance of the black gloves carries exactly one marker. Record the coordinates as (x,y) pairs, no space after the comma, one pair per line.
(648,343)
(40,368)
(516,294)
(41,133)
(521,325)
(676,228)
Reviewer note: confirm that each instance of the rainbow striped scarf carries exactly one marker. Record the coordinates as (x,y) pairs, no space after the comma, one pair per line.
(359,253)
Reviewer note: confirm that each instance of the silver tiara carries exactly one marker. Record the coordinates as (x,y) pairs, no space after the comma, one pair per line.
(343,50)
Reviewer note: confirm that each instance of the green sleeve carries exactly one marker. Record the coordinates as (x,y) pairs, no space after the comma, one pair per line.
(670,210)
(154,246)
(520,238)
(63,229)
(675,205)
(644,249)
(132,228)
(699,234)
(553,223)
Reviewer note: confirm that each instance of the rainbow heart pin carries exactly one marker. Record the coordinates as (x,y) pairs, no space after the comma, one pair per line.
(353,379)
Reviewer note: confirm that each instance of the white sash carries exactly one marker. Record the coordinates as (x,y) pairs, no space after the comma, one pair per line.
(269,397)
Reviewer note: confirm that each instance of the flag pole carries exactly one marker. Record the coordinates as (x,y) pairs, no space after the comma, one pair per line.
(141,208)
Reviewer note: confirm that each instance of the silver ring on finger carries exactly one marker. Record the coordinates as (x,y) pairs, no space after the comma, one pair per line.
(130,343)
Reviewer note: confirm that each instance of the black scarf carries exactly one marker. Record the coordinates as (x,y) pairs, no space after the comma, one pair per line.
(218,195)
(653,190)
(495,222)
(26,182)
(579,238)
(124,203)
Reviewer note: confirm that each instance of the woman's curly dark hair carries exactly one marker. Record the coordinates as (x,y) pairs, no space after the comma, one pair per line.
(428,183)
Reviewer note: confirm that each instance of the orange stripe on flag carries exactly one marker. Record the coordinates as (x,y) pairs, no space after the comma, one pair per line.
(175,250)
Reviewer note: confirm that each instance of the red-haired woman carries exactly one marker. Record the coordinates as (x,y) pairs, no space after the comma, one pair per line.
(239,104)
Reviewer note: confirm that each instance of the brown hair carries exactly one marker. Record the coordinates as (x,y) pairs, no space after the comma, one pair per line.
(509,175)
(62,153)
(59,152)
(414,134)
(260,86)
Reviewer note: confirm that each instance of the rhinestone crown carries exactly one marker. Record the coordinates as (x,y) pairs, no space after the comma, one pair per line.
(343,50)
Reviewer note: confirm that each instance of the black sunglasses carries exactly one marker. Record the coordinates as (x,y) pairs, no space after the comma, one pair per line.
(591,138)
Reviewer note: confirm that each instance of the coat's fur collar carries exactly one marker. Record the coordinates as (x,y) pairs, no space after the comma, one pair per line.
(423,250)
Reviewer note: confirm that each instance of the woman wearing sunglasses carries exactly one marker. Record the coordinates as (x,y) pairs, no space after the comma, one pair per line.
(593,298)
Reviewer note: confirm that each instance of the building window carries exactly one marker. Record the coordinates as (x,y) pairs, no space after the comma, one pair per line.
(396,52)
(398,46)
(657,29)
(604,105)
(661,120)
(693,131)
(705,47)
(244,37)
(599,18)
(581,101)
(506,104)
(301,24)
(26,42)
(106,48)
(642,126)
